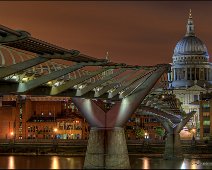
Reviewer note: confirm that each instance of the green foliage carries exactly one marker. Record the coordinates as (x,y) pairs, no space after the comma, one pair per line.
(160,131)
(140,133)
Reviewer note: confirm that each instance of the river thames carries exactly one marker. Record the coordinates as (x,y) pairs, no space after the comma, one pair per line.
(76,162)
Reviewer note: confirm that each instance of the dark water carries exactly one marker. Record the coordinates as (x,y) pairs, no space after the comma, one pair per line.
(67,162)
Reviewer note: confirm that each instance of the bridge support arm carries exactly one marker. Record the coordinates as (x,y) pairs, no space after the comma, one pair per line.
(23,87)
(80,92)
(71,83)
(6,71)
(121,111)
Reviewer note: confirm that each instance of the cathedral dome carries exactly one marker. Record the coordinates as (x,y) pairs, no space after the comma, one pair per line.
(190,61)
(190,45)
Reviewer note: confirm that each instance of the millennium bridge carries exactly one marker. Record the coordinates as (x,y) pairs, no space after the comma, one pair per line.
(37,68)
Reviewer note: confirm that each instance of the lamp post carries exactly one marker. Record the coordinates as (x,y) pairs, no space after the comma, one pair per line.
(54,140)
(55,133)
(146,136)
(12,140)
(193,138)
(193,132)
(12,134)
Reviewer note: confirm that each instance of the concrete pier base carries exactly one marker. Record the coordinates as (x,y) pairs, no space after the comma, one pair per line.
(107,149)
(173,149)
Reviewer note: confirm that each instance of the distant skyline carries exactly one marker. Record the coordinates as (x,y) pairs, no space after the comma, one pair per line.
(133,32)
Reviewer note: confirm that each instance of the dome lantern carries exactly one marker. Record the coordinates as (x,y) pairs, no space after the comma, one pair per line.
(190,26)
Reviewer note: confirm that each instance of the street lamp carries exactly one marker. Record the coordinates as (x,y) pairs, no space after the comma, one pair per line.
(146,137)
(55,131)
(193,142)
(12,134)
(193,131)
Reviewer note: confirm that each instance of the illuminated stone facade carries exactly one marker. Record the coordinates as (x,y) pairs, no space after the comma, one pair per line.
(41,118)
(191,73)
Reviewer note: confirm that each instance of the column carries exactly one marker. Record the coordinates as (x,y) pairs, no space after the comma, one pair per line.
(207,74)
(190,74)
(174,74)
(186,74)
(169,77)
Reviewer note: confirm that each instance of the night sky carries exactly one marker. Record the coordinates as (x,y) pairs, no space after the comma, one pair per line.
(136,33)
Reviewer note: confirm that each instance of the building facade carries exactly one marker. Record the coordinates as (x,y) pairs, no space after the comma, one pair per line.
(41,118)
(191,72)
(205,105)
(146,122)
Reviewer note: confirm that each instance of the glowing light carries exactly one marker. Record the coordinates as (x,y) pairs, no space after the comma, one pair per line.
(56,84)
(145,163)
(121,92)
(11,162)
(14,77)
(81,86)
(11,133)
(25,79)
(55,163)
(49,83)
(183,166)
(55,129)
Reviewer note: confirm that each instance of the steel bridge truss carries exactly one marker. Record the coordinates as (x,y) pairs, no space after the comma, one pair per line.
(35,70)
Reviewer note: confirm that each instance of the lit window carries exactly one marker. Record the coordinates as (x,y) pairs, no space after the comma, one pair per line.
(206,114)
(206,122)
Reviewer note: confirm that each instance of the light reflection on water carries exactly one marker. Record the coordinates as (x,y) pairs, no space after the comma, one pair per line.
(67,162)
(11,163)
(159,163)
(55,162)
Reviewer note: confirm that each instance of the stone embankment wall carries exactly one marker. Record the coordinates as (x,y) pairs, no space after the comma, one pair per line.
(65,147)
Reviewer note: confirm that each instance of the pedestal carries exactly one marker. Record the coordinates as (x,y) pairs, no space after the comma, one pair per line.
(107,149)
(173,149)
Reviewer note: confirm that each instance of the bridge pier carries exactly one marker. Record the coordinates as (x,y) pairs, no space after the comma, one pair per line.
(107,149)
(173,149)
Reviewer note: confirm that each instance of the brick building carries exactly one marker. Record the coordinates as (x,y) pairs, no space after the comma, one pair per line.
(41,117)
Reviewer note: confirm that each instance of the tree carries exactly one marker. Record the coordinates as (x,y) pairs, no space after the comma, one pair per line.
(140,133)
(160,131)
